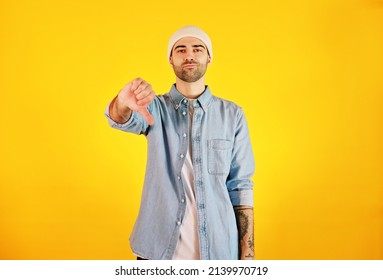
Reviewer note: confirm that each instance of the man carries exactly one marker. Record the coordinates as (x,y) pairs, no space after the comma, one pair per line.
(197,200)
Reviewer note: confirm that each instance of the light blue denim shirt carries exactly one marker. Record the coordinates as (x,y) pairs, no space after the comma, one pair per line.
(223,166)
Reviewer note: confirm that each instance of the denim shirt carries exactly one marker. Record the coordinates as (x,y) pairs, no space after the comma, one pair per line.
(223,166)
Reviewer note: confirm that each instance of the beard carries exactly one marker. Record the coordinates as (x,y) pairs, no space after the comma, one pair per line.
(190,75)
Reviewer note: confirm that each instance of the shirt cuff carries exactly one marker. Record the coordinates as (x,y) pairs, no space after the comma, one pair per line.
(114,124)
(242,197)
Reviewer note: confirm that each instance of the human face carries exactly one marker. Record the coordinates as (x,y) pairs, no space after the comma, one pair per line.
(189,59)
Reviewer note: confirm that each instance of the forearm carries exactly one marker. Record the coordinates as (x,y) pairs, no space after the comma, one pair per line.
(117,113)
(245,224)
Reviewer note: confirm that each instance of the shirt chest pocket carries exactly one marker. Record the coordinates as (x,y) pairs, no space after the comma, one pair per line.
(219,156)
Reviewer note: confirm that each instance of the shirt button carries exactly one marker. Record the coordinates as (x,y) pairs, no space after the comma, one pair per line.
(182,200)
(184,135)
(182,156)
(184,113)
(178,177)
(178,223)
(185,101)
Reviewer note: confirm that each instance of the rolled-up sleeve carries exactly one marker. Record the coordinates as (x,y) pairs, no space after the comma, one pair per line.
(239,182)
(136,123)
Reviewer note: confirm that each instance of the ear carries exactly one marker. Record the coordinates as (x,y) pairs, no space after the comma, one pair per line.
(208,59)
(171,60)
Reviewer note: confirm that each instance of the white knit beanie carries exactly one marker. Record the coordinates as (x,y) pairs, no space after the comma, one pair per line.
(190,31)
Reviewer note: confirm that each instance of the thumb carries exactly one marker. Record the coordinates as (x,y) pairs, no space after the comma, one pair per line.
(147,116)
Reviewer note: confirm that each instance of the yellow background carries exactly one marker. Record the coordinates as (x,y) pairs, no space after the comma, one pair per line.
(307,73)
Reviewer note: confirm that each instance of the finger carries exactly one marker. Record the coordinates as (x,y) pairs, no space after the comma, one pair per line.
(135,83)
(142,87)
(146,92)
(146,101)
(126,88)
(147,116)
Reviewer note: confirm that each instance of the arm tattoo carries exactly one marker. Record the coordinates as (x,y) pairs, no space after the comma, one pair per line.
(243,224)
(244,217)
(249,256)
(250,242)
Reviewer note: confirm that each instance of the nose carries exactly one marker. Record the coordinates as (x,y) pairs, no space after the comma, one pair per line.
(189,55)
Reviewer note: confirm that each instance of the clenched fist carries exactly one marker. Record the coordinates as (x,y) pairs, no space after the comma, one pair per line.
(135,96)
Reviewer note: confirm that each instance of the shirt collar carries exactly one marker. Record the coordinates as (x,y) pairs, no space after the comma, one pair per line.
(204,99)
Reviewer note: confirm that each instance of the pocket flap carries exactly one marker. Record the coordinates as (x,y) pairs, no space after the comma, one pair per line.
(219,144)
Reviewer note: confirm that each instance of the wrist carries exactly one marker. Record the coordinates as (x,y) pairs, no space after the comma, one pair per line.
(118,113)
